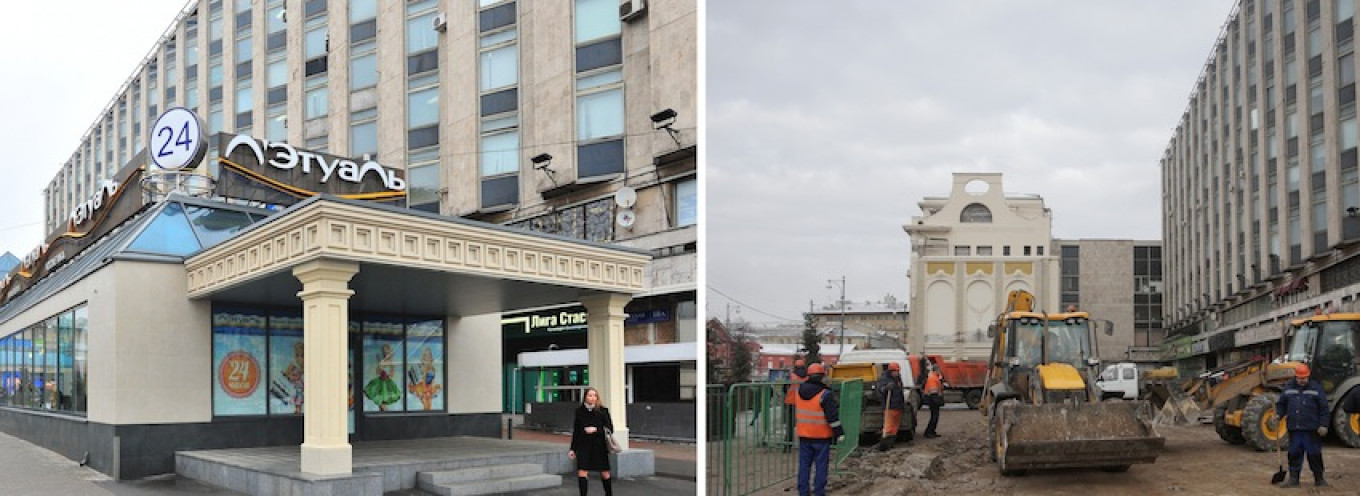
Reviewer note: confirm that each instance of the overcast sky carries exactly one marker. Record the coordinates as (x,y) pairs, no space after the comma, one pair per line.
(63,63)
(827,122)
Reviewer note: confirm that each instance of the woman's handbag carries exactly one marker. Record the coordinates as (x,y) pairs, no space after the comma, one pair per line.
(609,436)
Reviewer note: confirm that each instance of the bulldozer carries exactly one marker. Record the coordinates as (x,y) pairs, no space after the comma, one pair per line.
(1243,401)
(1040,399)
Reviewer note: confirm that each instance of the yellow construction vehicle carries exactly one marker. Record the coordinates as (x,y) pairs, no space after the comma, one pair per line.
(1043,408)
(1243,401)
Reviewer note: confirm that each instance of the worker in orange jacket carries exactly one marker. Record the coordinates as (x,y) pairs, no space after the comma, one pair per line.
(934,397)
(819,427)
(796,377)
(891,393)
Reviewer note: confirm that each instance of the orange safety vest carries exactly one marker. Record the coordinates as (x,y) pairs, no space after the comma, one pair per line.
(933,385)
(811,419)
(792,393)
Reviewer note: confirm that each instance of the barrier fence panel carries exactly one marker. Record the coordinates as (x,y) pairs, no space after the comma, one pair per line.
(752,442)
(849,394)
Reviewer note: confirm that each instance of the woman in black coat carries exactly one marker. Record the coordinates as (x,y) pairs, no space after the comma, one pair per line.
(589,447)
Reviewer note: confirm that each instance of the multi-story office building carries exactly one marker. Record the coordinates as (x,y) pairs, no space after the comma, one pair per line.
(1121,281)
(570,123)
(1260,184)
(523,114)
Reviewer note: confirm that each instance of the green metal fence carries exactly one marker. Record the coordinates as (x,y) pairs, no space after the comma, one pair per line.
(751,440)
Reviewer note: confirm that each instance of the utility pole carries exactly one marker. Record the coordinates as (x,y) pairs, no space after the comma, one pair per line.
(841,339)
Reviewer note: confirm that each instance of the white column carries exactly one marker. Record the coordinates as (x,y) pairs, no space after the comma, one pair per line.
(604,338)
(325,327)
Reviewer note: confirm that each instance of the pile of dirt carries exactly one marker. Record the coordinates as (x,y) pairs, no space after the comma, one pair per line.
(951,463)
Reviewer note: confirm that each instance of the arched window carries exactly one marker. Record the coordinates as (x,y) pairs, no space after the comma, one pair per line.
(976,212)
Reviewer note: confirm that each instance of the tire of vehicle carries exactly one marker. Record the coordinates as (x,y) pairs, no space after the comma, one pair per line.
(1228,433)
(1347,426)
(1256,420)
(998,436)
(972,398)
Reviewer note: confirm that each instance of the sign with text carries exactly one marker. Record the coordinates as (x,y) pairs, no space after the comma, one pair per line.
(279,173)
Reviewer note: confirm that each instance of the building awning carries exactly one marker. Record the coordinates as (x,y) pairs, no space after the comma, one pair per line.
(632,355)
(1291,287)
(411,261)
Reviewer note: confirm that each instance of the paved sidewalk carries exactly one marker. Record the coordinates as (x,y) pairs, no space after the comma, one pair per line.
(673,459)
(33,470)
(36,471)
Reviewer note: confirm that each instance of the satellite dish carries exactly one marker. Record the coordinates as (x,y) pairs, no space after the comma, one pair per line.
(626,218)
(625,197)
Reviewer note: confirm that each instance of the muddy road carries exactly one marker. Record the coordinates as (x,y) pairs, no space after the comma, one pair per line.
(1194,462)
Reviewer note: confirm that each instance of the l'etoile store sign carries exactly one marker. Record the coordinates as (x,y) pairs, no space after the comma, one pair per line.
(279,173)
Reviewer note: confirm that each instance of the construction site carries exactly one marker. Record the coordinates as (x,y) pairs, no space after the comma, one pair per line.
(1053,419)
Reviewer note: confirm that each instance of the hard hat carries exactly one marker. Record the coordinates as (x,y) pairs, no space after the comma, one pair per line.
(894,366)
(798,363)
(1302,371)
(816,368)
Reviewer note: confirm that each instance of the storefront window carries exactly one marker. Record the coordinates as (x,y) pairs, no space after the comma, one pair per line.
(258,365)
(238,360)
(383,368)
(80,391)
(285,363)
(425,365)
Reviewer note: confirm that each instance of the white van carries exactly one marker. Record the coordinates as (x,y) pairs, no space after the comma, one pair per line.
(1119,381)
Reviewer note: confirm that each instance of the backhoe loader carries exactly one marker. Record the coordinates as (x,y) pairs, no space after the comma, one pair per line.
(1043,408)
(1244,402)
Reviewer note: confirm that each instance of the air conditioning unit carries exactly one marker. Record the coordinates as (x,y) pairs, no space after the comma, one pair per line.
(441,23)
(632,9)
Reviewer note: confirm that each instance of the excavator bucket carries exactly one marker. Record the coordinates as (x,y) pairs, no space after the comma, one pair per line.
(1110,435)
(1173,405)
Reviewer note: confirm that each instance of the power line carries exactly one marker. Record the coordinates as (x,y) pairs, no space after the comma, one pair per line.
(20,226)
(749,307)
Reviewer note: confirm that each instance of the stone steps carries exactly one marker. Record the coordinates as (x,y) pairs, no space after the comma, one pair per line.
(489,479)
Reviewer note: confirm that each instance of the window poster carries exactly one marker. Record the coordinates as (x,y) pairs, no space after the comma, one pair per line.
(238,363)
(349,360)
(383,368)
(425,365)
(285,363)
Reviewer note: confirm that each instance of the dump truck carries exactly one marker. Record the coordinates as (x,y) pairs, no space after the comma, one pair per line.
(963,379)
(867,365)
(1041,403)
(1243,400)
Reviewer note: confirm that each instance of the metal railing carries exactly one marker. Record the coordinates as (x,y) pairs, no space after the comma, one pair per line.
(752,443)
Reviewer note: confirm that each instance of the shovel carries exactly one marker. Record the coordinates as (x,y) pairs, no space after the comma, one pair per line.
(1279,475)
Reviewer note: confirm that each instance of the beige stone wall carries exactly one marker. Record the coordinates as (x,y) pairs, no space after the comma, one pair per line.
(955,297)
(162,342)
(474,364)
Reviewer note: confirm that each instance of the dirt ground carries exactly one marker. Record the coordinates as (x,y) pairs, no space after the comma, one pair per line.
(1194,462)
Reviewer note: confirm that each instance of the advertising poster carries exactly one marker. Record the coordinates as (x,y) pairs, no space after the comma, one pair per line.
(425,366)
(285,363)
(384,368)
(238,363)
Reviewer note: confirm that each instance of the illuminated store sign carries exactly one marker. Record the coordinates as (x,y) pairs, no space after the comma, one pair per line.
(286,157)
(86,209)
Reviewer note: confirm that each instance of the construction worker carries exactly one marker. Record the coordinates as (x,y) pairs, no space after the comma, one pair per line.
(819,425)
(934,397)
(1303,404)
(796,377)
(890,392)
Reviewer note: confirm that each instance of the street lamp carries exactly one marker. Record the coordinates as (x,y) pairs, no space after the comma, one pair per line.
(841,339)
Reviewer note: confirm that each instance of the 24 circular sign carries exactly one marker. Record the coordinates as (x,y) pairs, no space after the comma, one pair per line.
(176,140)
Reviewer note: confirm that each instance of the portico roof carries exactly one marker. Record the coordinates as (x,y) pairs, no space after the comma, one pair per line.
(411,261)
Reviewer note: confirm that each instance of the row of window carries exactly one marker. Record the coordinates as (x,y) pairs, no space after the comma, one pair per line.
(43,367)
(599,93)
(395,364)
(986,250)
